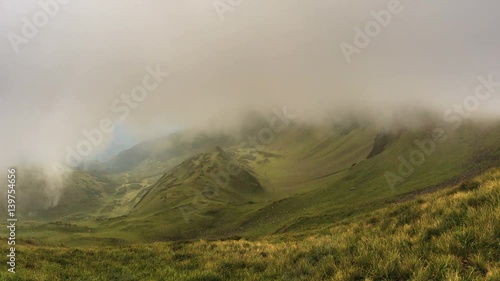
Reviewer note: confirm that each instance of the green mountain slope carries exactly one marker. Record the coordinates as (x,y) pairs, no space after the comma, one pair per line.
(449,235)
(310,176)
(364,187)
(163,151)
(306,177)
(195,193)
(48,193)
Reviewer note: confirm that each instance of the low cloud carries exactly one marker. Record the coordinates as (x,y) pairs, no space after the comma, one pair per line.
(261,56)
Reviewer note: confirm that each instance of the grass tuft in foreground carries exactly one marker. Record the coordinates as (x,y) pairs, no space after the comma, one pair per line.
(453,234)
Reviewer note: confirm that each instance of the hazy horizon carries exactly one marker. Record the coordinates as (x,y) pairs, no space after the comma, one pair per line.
(259,57)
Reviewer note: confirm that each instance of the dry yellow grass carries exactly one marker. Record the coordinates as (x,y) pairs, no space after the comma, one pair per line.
(453,234)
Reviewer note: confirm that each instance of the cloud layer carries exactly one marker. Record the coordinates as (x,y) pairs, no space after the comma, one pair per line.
(264,54)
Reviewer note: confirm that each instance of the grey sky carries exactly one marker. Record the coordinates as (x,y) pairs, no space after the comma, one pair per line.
(264,54)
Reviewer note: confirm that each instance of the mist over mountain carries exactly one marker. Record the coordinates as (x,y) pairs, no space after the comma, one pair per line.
(250,140)
(259,57)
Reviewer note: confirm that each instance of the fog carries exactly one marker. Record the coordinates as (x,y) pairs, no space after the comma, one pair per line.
(262,55)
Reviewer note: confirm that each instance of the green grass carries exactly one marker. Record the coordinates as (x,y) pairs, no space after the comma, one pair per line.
(308,206)
(309,177)
(453,234)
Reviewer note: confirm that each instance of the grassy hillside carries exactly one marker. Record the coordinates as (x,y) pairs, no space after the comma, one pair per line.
(157,154)
(305,178)
(45,193)
(192,196)
(453,234)
(309,176)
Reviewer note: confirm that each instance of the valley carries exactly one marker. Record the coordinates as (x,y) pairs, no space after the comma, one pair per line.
(306,177)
